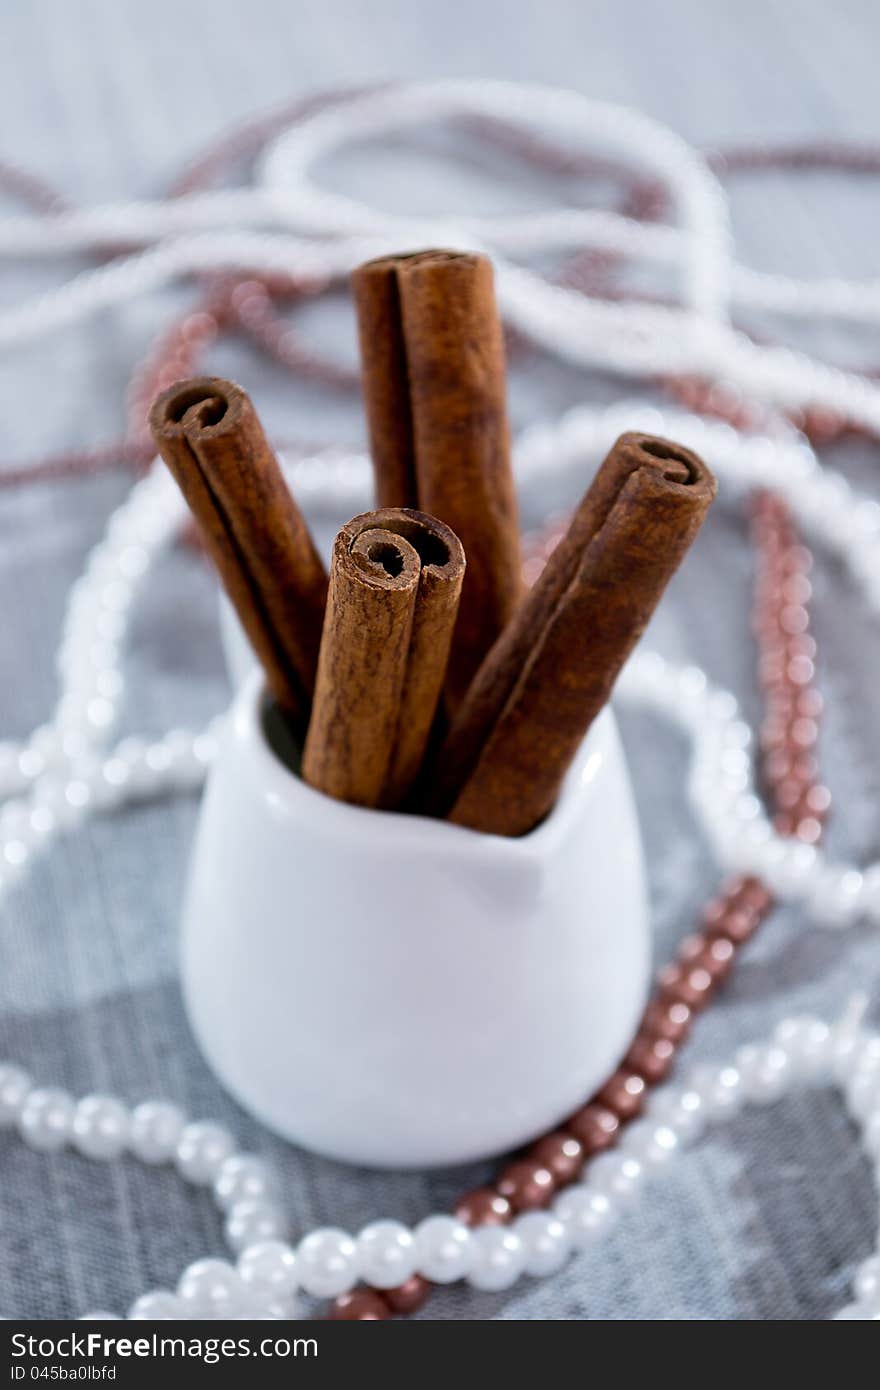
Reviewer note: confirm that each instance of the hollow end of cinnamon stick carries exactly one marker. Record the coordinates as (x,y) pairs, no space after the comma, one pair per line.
(207,401)
(395,581)
(386,561)
(211,439)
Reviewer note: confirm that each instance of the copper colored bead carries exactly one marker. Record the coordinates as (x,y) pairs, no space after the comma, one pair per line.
(787,794)
(692,985)
(360,1305)
(802,645)
(757,895)
(409,1296)
(774,734)
(824,424)
(561,1152)
(771,667)
(651,1057)
(781,700)
(800,670)
(483,1207)
(595,1126)
(624,1093)
(809,703)
(666,1019)
(817,800)
(734,885)
(794,620)
(776,766)
(797,589)
(808,830)
(526,1185)
(806,768)
(717,957)
(797,558)
(716,910)
(741,924)
(804,733)
(691,947)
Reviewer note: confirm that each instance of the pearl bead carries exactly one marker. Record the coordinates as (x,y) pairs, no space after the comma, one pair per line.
(269,1267)
(683,1109)
(201,1149)
(285,1309)
(327,1261)
(649,1143)
(860,1312)
(871,1136)
(807,1043)
(866,1055)
(863,1094)
(46,1118)
(617,1174)
(211,1289)
(159,1306)
(155,1130)
(386,1254)
(100,1127)
(836,896)
(499,1259)
(843,1049)
(765,1071)
(15,1084)
(243,1177)
(586,1211)
(252,1221)
(443,1249)
(720,1087)
(866,1284)
(546,1240)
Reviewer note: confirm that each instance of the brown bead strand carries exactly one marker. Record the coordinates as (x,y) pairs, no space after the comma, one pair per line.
(360,1305)
(591,271)
(730,919)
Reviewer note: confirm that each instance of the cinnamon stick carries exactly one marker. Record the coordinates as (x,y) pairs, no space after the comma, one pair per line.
(209,435)
(552,670)
(434,386)
(395,581)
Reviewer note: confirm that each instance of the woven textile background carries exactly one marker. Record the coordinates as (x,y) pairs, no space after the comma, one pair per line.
(767,1216)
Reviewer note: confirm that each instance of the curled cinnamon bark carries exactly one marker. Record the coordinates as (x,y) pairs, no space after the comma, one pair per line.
(553,668)
(395,581)
(434,386)
(209,435)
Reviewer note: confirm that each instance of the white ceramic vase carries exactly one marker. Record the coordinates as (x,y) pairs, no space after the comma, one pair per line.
(401,992)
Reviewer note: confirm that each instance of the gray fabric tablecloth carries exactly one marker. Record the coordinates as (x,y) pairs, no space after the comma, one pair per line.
(767,1216)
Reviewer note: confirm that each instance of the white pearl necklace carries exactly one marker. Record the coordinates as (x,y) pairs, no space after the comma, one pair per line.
(69,777)
(630,338)
(327,1262)
(66,769)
